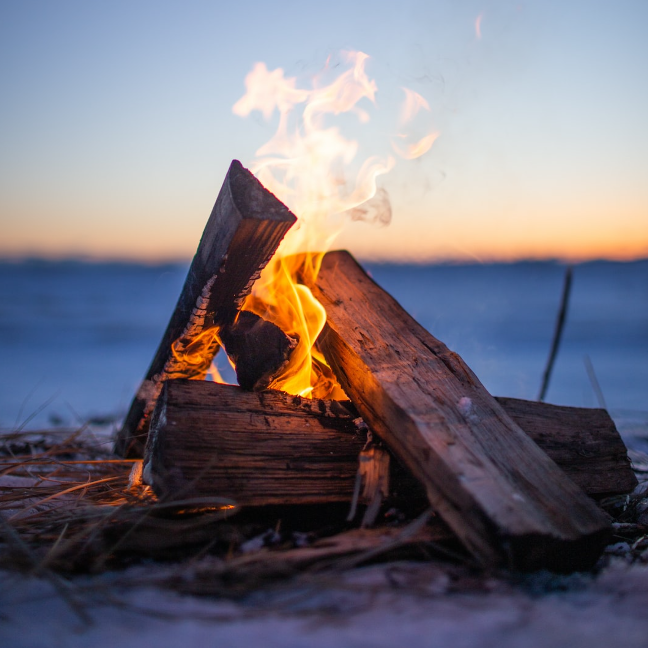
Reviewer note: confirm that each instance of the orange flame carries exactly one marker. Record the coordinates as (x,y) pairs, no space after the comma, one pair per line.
(312,167)
(191,355)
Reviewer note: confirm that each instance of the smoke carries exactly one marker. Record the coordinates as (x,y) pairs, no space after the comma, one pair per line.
(377,210)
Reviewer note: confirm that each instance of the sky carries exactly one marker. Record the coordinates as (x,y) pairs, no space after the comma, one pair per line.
(117,126)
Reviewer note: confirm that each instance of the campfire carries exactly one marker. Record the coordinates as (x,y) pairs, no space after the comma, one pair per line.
(343,397)
(350,421)
(483,464)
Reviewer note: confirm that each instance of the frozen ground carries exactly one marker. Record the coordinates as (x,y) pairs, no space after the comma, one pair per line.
(76,338)
(402,604)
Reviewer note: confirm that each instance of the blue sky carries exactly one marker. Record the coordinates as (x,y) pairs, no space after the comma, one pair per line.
(117,127)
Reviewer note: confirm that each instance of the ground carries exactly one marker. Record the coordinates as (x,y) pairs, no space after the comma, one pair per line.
(404,603)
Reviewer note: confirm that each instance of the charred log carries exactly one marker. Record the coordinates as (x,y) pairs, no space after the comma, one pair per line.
(208,439)
(245,228)
(259,350)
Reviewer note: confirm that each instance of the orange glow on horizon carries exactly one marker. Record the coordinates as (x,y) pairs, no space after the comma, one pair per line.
(400,242)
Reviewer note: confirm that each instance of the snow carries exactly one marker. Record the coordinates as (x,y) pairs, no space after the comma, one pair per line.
(401,604)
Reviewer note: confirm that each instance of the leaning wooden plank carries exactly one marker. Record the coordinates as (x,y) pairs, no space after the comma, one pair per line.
(503,497)
(246,225)
(209,439)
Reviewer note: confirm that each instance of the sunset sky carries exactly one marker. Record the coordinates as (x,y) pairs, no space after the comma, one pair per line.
(117,126)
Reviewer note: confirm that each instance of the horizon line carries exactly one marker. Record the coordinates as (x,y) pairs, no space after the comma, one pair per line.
(380,260)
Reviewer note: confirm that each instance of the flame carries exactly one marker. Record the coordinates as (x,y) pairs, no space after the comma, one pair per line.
(191,352)
(312,167)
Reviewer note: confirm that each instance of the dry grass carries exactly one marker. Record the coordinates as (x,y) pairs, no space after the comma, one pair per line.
(69,506)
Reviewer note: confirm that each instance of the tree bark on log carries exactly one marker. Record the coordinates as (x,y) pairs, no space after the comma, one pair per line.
(503,497)
(209,439)
(261,447)
(244,229)
(584,442)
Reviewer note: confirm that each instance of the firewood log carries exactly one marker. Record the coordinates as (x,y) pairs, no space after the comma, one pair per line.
(209,439)
(503,497)
(584,442)
(260,447)
(246,225)
(258,349)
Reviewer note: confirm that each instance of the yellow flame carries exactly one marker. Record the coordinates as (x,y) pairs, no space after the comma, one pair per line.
(309,164)
(194,355)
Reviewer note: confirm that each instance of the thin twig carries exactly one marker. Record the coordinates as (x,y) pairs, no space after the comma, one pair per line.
(594,381)
(560,323)
(60,585)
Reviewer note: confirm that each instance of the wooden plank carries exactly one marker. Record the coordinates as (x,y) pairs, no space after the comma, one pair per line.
(261,448)
(504,498)
(244,229)
(209,439)
(584,442)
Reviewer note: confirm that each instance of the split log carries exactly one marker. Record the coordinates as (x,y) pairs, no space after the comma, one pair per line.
(502,496)
(258,349)
(263,448)
(209,439)
(584,442)
(244,229)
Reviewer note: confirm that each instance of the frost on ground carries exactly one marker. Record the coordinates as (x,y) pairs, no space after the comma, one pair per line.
(411,604)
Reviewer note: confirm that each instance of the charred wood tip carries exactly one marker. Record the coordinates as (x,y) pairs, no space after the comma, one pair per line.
(259,350)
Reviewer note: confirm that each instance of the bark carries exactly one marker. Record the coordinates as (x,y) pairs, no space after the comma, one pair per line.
(245,228)
(214,440)
(503,497)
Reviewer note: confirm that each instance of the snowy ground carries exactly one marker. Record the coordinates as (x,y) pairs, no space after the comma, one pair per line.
(402,604)
(78,337)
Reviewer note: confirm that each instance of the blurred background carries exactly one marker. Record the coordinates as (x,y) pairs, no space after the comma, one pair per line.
(117,130)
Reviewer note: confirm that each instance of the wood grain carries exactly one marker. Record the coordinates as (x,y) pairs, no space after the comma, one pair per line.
(244,229)
(209,439)
(259,447)
(504,498)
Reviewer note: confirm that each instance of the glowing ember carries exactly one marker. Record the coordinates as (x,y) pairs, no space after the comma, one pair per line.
(315,170)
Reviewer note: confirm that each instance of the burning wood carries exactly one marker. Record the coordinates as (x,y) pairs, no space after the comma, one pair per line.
(506,501)
(503,497)
(210,439)
(262,448)
(241,235)
(259,350)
